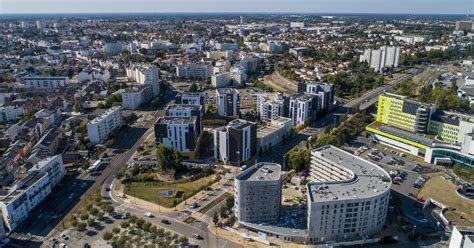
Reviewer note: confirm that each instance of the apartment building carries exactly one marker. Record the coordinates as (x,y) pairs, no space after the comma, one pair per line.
(228,102)
(197,98)
(42,82)
(217,55)
(221,80)
(113,48)
(271,106)
(178,132)
(273,134)
(17,201)
(133,98)
(384,57)
(145,75)
(303,108)
(258,193)
(187,110)
(412,39)
(100,128)
(296,24)
(53,166)
(194,71)
(10,113)
(325,93)
(235,143)
(347,196)
(466,26)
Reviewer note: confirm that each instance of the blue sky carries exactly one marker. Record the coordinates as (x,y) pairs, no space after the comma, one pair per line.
(306,6)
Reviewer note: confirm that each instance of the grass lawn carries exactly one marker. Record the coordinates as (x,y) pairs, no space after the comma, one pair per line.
(444,191)
(464,173)
(150,191)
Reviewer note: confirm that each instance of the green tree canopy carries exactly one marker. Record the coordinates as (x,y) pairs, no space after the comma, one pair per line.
(169,158)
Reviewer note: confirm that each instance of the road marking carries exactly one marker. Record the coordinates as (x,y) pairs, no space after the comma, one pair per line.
(110,192)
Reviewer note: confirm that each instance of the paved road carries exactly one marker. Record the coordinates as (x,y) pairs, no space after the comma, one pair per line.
(177,225)
(68,196)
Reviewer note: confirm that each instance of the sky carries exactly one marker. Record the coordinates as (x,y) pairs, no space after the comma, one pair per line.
(267,6)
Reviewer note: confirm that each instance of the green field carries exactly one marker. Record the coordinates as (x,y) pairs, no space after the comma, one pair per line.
(150,191)
(464,173)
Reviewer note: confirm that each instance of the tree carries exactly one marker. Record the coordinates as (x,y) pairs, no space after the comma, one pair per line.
(183,240)
(109,208)
(215,218)
(229,202)
(146,226)
(223,212)
(94,211)
(115,230)
(298,160)
(81,226)
(107,236)
(140,222)
(124,224)
(84,216)
(90,222)
(193,88)
(169,158)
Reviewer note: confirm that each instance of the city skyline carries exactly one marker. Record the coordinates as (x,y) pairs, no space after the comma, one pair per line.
(461,7)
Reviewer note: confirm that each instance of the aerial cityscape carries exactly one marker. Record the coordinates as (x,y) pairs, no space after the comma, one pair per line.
(232,126)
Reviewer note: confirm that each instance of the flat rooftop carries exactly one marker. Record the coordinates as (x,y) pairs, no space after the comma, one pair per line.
(176,120)
(190,94)
(351,177)
(402,134)
(227,91)
(272,127)
(184,107)
(261,172)
(20,185)
(302,96)
(45,78)
(105,114)
(239,123)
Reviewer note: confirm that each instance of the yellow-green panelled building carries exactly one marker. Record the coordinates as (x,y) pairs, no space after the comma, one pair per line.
(419,129)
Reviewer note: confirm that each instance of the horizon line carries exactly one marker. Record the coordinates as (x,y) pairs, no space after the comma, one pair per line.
(231,12)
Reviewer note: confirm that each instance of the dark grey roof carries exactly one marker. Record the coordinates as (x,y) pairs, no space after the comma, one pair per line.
(442,117)
(410,107)
(406,135)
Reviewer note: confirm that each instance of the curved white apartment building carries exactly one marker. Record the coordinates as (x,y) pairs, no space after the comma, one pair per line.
(347,197)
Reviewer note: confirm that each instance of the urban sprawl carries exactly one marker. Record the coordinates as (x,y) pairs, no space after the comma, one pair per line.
(228,130)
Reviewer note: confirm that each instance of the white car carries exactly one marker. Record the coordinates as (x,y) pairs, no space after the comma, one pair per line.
(148,214)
